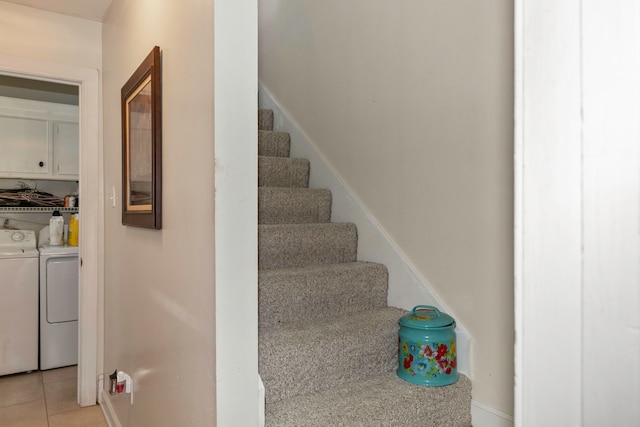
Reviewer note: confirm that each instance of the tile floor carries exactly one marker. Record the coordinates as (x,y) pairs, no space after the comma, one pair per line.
(45,399)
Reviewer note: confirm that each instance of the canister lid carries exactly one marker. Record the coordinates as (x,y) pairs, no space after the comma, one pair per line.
(426,317)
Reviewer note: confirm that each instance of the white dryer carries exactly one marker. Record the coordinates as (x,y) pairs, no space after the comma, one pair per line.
(18,301)
(58,306)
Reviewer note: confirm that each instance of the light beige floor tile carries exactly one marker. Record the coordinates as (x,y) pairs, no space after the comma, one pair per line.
(30,414)
(61,396)
(59,374)
(15,389)
(90,416)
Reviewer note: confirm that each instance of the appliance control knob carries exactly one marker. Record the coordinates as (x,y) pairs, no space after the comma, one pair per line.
(18,236)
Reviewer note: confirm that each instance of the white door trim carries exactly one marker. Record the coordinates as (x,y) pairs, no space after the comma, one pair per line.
(90,337)
(548,211)
(577,213)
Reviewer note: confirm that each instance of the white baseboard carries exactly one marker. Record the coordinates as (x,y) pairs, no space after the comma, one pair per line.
(407,287)
(485,416)
(108,411)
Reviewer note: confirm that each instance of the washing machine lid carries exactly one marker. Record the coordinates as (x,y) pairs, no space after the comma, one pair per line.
(58,250)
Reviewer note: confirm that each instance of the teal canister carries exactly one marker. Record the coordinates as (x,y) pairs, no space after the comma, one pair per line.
(427,347)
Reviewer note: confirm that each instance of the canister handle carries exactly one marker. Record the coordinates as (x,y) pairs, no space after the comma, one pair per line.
(430,307)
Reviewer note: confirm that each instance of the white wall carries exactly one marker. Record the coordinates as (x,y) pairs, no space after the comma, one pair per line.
(577,213)
(159,285)
(49,37)
(411,102)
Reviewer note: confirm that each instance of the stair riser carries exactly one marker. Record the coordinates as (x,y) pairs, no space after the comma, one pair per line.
(295,295)
(283,172)
(293,206)
(276,144)
(306,361)
(265,119)
(297,245)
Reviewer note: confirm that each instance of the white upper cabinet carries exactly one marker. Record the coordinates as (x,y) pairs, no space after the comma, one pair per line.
(38,140)
(24,146)
(65,149)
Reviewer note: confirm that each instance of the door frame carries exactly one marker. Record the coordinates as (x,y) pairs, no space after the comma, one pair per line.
(577,212)
(91,284)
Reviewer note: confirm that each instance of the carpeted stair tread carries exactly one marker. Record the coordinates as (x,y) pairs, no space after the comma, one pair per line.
(278,205)
(297,245)
(379,401)
(289,295)
(265,119)
(272,143)
(282,172)
(304,358)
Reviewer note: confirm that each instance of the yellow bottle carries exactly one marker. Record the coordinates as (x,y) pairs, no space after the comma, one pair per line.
(73,230)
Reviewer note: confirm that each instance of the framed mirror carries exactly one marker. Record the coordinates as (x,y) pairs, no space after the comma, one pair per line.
(142,145)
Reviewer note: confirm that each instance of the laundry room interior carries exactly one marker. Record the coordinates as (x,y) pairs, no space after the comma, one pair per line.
(39,224)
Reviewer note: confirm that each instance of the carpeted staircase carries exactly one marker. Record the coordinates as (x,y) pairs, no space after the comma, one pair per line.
(328,340)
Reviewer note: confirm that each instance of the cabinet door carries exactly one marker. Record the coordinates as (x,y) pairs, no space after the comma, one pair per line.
(24,146)
(65,149)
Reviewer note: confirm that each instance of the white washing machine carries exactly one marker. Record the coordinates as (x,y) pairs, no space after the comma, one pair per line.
(58,305)
(18,301)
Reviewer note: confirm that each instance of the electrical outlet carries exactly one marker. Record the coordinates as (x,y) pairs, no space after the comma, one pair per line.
(124,384)
(121,382)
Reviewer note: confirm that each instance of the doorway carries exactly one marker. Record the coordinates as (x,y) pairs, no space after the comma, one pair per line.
(90,336)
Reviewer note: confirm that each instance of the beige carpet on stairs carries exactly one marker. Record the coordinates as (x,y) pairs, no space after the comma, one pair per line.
(327,340)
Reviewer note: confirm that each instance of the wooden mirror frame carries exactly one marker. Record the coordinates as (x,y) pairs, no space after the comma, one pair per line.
(142,145)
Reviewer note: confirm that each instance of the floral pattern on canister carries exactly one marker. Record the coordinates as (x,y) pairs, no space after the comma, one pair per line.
(429,359)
